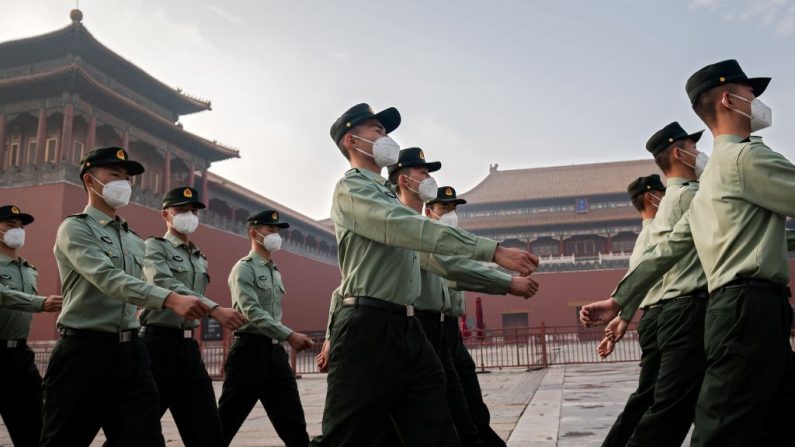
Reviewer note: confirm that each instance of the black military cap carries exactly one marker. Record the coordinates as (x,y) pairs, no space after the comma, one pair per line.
(721,73)
(412,157)
(645,184)
(12,212)
(446,194)
(667,135)
(389,118)
(267,217)
(109,156)
(183,195)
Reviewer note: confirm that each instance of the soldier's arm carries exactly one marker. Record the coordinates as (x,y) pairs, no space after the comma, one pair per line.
(467,274)
(767,179)
(78,245)
(334,305)
(244,293)
(16,300)
(361,207)
(656,260)
(157,271)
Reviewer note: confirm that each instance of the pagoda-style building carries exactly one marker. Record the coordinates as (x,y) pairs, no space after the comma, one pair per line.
(64,93)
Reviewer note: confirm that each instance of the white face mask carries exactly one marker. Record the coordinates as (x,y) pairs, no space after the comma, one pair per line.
(450,218)
(761,114)
(14,238)
(271,242)
(185,223)
(116,193)
(701,162)
(427,190)
(385,151)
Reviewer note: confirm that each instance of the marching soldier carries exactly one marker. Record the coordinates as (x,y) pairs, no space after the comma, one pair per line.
(257,367)
(736,221)
(20,382)
(174,262)
(434,306)
(381,367)
(99,375)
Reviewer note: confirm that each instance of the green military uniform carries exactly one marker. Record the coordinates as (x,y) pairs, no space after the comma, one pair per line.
(257,367)
(99,375)
(380,363)
(736,221)
(183,384)
(643,397)
(20,382)
(683,297)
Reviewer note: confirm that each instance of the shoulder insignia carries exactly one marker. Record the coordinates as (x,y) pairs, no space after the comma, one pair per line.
(275,267)
(78,216)
(245,259)
(157,238)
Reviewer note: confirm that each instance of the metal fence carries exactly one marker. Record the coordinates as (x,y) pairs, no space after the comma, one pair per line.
(529,348)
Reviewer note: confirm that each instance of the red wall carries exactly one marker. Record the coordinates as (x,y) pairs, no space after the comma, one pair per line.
(308,283)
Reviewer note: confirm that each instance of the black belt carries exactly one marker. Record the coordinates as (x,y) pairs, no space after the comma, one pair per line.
(698,294)
(170,332)
(756,284)
(116,337)
(398,309)
(434,315)
(10,344)
(255,337)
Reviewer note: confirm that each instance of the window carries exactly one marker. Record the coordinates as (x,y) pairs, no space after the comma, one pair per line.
(156,183)
(548,250)
(31,156)
(50,150)
(14,155)
(78,150)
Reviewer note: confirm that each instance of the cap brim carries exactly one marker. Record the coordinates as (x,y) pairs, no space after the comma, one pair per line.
(132,167)
(389,118)
(281,225)
(696,136)
(759,85)
(198,205)
(26,219)
(432,166)
(455,201)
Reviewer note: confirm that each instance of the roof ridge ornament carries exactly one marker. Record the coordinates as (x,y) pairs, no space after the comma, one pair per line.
(76,15)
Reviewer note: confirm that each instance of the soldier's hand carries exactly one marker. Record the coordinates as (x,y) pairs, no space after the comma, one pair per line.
(616,329)
(229,318)
(322,359)
(523,286)
(606,347)
(520,261)
(186,306)
(52,303)
(299,342)
(599,313)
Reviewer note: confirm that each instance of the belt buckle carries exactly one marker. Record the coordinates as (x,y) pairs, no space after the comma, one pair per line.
(441,318)
(187,333)
(124,337)
(409,310)
(12,343)
(274,341)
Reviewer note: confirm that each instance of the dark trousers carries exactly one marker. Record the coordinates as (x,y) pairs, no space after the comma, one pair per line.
(94,383)
(467,374)
(680,339)
(748,394)
(442,339)
(20,395)
(640,400)
(383,370)
(256,369)
(186,389)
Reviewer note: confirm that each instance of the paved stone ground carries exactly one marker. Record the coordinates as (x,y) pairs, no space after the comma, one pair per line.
(566,406)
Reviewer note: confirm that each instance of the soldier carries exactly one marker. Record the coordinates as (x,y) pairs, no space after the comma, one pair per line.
(736,221)
(174,262)
(257,367)
(381,367)
(434,306)
(20,382)
(99,375)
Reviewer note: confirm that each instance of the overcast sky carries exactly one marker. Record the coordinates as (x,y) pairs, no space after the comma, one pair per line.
(519,83)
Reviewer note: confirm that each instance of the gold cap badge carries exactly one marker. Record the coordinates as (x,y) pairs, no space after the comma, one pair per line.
(422,155)
(187,193)
(448,192)
(120,154)
(275,216)
(15,210)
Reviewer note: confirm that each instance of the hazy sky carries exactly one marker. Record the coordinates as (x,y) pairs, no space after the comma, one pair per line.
(519,83)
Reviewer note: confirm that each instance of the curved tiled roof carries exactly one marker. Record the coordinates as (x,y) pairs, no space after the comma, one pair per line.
(550,219)
(558,181)
(76,40)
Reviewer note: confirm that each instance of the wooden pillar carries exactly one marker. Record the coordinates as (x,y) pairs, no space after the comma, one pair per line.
(609,243)
(192,177)
(125,141)
(561,245)
(65,148)
(2,141)
(167,173)
(91,136)
(205,190)
(41,137)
